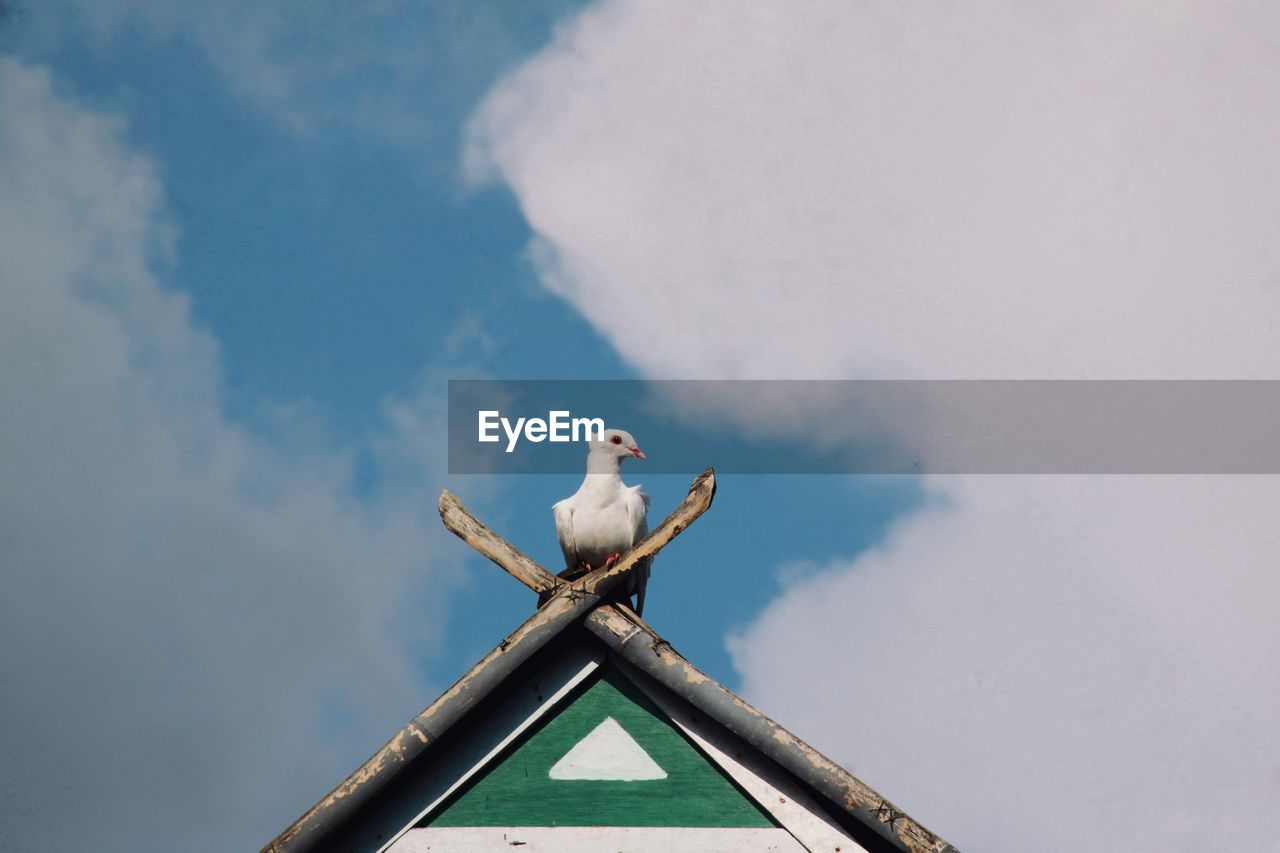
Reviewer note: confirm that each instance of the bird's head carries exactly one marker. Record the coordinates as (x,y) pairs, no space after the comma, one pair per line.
(616,443)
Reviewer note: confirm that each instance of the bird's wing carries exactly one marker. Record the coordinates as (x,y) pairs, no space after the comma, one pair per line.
(563,512)
(638,514)
(637,503)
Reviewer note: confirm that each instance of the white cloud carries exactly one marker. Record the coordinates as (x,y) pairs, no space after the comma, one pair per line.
(1036,190)
(199,632)
(1055,663)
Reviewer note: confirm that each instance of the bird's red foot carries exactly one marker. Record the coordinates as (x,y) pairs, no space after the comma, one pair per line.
(613,558)
(585,566)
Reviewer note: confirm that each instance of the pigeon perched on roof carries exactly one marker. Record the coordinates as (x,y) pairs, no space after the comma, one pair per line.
(605,517)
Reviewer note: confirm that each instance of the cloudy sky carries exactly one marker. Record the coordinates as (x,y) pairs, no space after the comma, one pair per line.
(244,245)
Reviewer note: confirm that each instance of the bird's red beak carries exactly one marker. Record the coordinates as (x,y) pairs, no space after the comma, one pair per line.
(638,453)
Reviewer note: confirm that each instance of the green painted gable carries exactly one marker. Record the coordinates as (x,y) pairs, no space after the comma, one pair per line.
(519,791)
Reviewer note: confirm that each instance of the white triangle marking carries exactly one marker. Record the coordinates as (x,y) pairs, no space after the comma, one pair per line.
(608,753)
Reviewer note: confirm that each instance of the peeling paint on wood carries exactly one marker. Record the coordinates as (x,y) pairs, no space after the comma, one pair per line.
(469,529)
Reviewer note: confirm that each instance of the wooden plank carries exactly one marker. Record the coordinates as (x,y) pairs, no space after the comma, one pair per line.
(630,637)
(337,808)
(469,529)
(482,743)
(594,839)
(769,785)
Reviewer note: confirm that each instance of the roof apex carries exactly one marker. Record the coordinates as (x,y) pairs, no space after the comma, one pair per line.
(584,602)
(630,638)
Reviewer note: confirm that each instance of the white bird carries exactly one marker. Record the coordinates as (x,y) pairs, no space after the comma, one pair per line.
(605,517)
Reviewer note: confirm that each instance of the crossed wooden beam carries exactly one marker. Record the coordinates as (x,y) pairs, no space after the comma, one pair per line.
(570,599)
(587,598)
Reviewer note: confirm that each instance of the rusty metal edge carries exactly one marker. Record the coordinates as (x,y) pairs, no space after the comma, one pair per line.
(640,645)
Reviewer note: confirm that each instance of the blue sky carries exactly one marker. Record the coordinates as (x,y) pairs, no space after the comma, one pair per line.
(334,266)
(331,263)
(243,247)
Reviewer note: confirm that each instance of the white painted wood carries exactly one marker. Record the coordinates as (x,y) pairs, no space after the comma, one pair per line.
(607,753)
(520,712)
(766,783)
(595,839)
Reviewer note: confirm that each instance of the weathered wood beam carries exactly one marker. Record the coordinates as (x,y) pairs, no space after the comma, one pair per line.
(624,632)
(310,832)
(506,556)
(471,530)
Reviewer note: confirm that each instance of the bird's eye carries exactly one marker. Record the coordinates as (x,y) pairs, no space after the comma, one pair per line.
(617,439)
